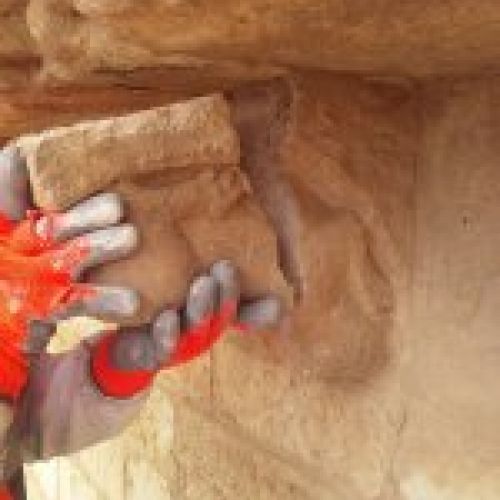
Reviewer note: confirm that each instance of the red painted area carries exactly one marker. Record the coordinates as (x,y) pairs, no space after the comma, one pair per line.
(200,339)
(5,494)
(192,343)
(114,382)
(35,282)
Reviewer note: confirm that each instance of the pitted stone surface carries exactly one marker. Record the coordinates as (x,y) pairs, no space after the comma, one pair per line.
(69,163)
(379,204)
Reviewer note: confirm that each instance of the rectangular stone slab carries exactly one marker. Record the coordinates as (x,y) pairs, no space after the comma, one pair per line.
(70,163)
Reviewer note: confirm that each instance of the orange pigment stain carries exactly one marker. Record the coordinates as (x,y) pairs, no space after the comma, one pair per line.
(35,283)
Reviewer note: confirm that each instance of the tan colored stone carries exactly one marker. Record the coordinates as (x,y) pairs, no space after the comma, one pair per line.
(53,50)
(383,37)
(186,225)
(103,7)
(316,152)
(382,384)
(315,407)
(344,432)
(15,38)
(451,447)
(322,392)
(244,236)
(68,164)
(30,110)
(212,460)
(161,268)
(191,205)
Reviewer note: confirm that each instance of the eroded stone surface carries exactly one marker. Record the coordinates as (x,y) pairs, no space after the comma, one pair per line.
(316,395)
(75,36)
(70,163)
(387,36)
(177,169)
(382,383)
(189,223)
(340,200)
(450,447)
(55,54)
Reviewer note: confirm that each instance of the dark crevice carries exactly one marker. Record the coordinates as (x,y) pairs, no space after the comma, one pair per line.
(261,114)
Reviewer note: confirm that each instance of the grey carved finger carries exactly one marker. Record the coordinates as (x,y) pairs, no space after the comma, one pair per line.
(259,314)
(14,184)
(149,346)
(107,245)
(166,332)
(108,301)
(134,349)
(98,212)
(226,275)
(203,298)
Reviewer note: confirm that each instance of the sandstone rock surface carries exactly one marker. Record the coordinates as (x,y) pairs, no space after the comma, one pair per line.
(304,203)
(449,447)
(177,170)
(68,164)
(424,424)
(379,205)
(183,235)
(369,202)
(63,61)
(386,36)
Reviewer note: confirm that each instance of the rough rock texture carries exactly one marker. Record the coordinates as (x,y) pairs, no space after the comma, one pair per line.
(370,203)
(385,36)
(34,107)
(64,60)
(450,445)
(189,224)
(68,164)
(381,203)
(340,200)
(177,169)
(333,411)
(311,409)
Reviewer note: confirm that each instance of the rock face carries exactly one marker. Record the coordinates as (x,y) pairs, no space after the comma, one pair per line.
(380,384)
(177,169)
(449,444)
(65,60)
(302,212)
(368,202)
(386,36)
(69,164)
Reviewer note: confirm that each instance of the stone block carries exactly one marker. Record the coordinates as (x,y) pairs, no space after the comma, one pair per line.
(70,163)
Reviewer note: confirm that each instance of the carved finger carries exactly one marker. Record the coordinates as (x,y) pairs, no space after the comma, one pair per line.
(260,314)
(226,276)
(166,331)
(95,213)
(106,245)
(110,301)
(202,301)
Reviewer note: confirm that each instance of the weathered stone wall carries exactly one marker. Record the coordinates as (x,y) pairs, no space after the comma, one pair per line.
(383,36)
(64,60)
(368,203)
(450,446)
(381,206)
(324,218)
